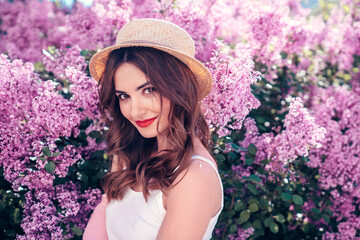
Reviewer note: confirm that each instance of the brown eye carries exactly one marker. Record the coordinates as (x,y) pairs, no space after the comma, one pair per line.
(149,90)
(122,96)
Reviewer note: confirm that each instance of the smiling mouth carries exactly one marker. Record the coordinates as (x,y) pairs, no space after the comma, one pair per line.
(146,122)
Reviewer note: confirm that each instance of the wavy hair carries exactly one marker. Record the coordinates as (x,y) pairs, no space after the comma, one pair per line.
(142,162)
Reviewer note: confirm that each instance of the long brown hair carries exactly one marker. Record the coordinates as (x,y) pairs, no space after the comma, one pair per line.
(143,163)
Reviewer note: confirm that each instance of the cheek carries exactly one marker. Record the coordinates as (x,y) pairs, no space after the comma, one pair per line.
(124,110)
(155,104)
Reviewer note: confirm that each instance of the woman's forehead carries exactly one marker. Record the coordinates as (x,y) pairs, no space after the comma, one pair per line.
(129,77)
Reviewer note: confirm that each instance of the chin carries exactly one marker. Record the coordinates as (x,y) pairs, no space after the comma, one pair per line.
(148,134)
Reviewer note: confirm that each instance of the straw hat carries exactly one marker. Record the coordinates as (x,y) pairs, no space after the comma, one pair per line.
(161,35)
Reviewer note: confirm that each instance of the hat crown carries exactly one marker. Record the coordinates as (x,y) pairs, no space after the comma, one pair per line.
(157,32)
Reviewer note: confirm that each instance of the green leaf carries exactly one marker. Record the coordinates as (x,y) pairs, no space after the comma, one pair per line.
(50,167)
(233,228)
(252,188)
(326,218)
(220,157)
(280,218)
(316,217)
(56,154)
(252,149)
(94,134)
(274,227)
(253,207)
(232,156)
(99,140)
(237,147)
(246,225)
(259,232)
(244,216)
(263,203)
(84,52)
(286,196)
(328,211)
(315,210)
(268,222)
(257,224)
(230,213)
(297,199)
(2,205)
(16,216)
(239,206)
(255,178)
(46,151)
(252,200)
(249,159)
(77,231)
(260,186)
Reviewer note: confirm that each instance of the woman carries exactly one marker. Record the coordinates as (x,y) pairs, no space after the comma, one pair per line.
(163,182)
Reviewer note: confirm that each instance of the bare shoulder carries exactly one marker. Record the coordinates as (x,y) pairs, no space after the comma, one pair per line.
(192,202)
(201,182)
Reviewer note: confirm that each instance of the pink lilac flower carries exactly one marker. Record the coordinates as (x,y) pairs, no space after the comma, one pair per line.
(300,133)
(95,27)
(242,234)
(52,114)
(230,100)
(84,93)
(25,28)
(261,141)
(35,115)
(146,9)
(191,16)
(63,58)
(337,109)
(42,220)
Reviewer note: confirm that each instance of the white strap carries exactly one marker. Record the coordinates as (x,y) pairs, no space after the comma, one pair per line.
(206,160)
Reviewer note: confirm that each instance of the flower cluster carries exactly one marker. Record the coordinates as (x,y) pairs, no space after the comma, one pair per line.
(62,58)
(192,17)
(300,133)
(230,100)
(43,119)
(26,30)
(47,212)
(338,110)
(34,115)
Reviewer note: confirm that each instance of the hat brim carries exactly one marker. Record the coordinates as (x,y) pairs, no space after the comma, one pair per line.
(202,74)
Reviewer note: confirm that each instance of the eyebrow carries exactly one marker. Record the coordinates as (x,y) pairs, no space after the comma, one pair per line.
(138,88)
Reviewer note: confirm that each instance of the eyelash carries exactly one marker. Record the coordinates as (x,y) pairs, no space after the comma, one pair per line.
(151,89)
(125,96)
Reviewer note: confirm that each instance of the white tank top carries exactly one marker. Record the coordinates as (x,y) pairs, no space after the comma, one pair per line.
(132,218)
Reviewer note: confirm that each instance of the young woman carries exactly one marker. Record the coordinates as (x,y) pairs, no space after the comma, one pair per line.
(163,182)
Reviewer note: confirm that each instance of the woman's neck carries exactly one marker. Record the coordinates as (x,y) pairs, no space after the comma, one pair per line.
(162,143)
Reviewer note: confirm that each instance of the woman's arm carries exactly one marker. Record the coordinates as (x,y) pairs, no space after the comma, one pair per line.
(191,203)
(96,227)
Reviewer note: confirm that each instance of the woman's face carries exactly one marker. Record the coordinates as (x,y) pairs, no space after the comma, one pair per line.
(140,102)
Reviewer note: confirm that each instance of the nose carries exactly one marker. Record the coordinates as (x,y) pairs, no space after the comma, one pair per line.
(138,108)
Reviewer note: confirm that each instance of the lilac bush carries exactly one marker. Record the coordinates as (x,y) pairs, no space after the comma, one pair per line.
(35,116)
(337,110)
(223,107)
(283,112)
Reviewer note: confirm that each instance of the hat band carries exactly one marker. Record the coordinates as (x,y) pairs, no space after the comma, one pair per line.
(146,42)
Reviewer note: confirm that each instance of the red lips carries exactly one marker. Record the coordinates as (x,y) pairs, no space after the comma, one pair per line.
(146,122)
